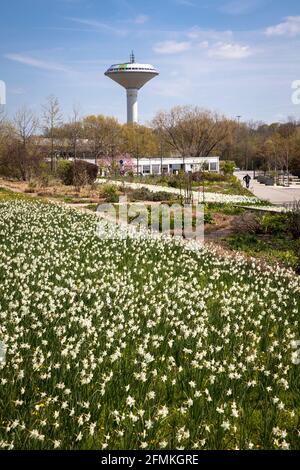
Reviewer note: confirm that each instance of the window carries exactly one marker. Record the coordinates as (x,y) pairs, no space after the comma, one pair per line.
(146,169)
(213,166)
(155,169)
(176,166)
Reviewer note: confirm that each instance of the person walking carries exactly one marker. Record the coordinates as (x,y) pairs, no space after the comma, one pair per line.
(247,180)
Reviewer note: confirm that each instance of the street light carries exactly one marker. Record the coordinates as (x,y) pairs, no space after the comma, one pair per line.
(239,120)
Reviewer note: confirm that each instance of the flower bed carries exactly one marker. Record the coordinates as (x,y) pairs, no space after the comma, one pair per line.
(209,197)
(140,342)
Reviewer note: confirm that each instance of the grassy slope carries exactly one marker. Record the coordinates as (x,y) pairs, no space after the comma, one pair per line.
(117,343)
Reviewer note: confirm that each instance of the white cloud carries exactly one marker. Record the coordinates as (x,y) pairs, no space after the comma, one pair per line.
(289,27)
(171,47)
(39,64)
(223,50)
(141,19)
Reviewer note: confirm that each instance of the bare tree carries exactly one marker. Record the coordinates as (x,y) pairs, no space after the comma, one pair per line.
(2,115)
(52,119)
(3,133)
(3,123)
(72,131)
(191,131)
(25,124)
(75,129)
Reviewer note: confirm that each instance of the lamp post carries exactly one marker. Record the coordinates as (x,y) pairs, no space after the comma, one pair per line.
(137,159)
(288,167)
(239,121)
(275,156)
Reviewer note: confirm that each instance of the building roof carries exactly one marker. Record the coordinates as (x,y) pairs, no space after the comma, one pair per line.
(176,160)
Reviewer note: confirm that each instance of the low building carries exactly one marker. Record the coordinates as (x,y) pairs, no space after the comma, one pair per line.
(173,165)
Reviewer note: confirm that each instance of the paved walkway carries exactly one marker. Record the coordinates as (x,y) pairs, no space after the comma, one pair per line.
(273,194)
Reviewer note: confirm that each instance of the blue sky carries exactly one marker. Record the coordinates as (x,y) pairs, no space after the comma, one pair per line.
(235,57)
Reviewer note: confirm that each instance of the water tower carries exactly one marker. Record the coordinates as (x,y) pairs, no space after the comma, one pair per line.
(133,77)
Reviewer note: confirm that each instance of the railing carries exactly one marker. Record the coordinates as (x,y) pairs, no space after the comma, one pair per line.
(283,178)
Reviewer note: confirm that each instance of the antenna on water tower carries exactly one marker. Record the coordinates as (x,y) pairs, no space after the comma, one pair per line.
(132,58)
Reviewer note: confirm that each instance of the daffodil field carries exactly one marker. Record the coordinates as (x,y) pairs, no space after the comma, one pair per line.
(140,342)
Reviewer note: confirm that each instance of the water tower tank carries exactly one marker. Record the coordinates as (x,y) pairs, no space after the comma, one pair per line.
(132,76)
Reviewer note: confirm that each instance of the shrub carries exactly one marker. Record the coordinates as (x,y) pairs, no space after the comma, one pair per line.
(293,223)
(247,223)
(296,248)
(78,172)
(44,180)
(142,194)
(32,185)
(84,172)
(162,196)
(274,224)
(230,209)
(227,167)
(110,193)
(199,177)
(289,258)
(174,182)
(208,218)
(244,242)
(65,172)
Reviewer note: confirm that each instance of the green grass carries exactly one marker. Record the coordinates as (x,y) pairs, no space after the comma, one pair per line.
(274,248)
(8,195)
(92,207)
(125,342)
(231,186)
(226,209)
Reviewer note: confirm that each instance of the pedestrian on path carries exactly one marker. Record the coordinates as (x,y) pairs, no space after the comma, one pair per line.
(247,180)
